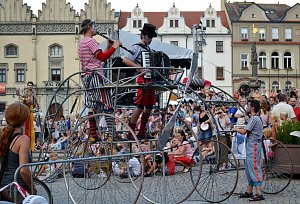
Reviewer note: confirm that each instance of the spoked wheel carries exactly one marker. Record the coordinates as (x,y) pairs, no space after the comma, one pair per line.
(277,167)
(93,180)
(166,187)
(218,179)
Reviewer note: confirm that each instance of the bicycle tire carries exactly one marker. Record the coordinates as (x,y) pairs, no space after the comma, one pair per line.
(40,183)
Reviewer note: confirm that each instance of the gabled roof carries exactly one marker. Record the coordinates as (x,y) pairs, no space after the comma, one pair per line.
(297,4)
(157,18)
(273,11)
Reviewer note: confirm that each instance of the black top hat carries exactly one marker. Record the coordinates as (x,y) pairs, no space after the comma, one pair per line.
(149,29)
(85,24)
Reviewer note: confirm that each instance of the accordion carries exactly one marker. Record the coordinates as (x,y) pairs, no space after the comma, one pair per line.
(155,59)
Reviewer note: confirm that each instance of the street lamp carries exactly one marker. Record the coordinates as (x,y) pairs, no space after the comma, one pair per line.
(199,31)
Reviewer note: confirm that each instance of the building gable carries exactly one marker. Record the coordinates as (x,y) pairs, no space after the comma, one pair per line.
(99,11)
(293,14)
(15,10)
(56,10)
(253,13)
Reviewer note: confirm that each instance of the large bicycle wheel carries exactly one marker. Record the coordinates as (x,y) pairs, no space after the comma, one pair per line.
(218,179)
(43,190)
(160,187)
(277,166)
(95,182)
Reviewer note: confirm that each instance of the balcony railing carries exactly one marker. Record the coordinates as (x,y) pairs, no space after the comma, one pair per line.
(53,84)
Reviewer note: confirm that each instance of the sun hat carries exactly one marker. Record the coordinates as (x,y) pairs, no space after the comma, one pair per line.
(204,126)
(149,29)
(34,199)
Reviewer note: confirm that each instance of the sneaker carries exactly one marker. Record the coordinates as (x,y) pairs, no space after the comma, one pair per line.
(257,198)
(246,195)
(185,170)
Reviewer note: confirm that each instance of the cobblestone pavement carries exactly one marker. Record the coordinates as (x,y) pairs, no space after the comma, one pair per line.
(117,192)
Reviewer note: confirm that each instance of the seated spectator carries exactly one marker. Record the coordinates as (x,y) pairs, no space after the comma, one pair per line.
(55,145)
(49,169)
(134,166)
(184,152)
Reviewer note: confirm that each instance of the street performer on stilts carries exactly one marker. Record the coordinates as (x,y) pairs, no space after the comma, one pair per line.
(91,59)
(145,98)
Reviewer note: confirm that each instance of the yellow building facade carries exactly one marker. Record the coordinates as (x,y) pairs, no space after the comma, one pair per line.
(43,48)
(275,28)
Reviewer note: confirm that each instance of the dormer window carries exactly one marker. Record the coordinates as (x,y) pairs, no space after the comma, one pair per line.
(137,23)
(174,24)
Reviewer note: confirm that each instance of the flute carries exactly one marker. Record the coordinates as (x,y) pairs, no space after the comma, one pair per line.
(113,41)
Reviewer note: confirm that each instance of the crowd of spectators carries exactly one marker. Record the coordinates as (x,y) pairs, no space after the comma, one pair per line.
(196,121)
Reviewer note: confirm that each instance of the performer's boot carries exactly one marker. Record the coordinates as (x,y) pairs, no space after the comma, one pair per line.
(129,135)
(144,121)
(93,128)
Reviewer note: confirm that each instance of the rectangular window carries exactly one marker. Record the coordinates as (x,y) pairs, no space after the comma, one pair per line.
(139,23)
(220,73)
(262,34)
(297,32)
(213,23)
(244,34)
(207,23)
(171,23)
(2,107)
(176,24)
(2,75)
(134,24)
(55,75)
(20,72)
(174,43)
(3,72)
(275,34)
(244,61)
(20,75)
(288,34)
(219,46)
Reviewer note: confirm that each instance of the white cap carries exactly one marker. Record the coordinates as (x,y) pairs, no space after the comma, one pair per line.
(34,199)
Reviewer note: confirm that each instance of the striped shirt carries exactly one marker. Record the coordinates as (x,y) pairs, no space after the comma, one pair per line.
(137,56)
(86,51)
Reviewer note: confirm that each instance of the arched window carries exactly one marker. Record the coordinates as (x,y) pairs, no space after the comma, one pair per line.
(288,85)
(275,60)
(55,51)
(275,86)
(287,60)
(262,58)
(11,51)
(55,63)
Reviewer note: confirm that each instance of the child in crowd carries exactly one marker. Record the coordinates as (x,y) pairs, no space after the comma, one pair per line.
(48,170)
(283,117)
(274,124)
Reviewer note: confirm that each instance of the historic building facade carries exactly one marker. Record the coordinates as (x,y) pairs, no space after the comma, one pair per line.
(43,48)
(275,28)
(176,27)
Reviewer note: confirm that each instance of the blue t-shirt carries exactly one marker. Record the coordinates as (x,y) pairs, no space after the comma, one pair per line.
(232,110)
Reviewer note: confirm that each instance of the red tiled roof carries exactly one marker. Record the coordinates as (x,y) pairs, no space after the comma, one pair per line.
(157,18)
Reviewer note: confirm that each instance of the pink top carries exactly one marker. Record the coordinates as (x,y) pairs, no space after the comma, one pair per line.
(86,50)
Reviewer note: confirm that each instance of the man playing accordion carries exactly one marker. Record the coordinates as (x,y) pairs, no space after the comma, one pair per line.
(145,98)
